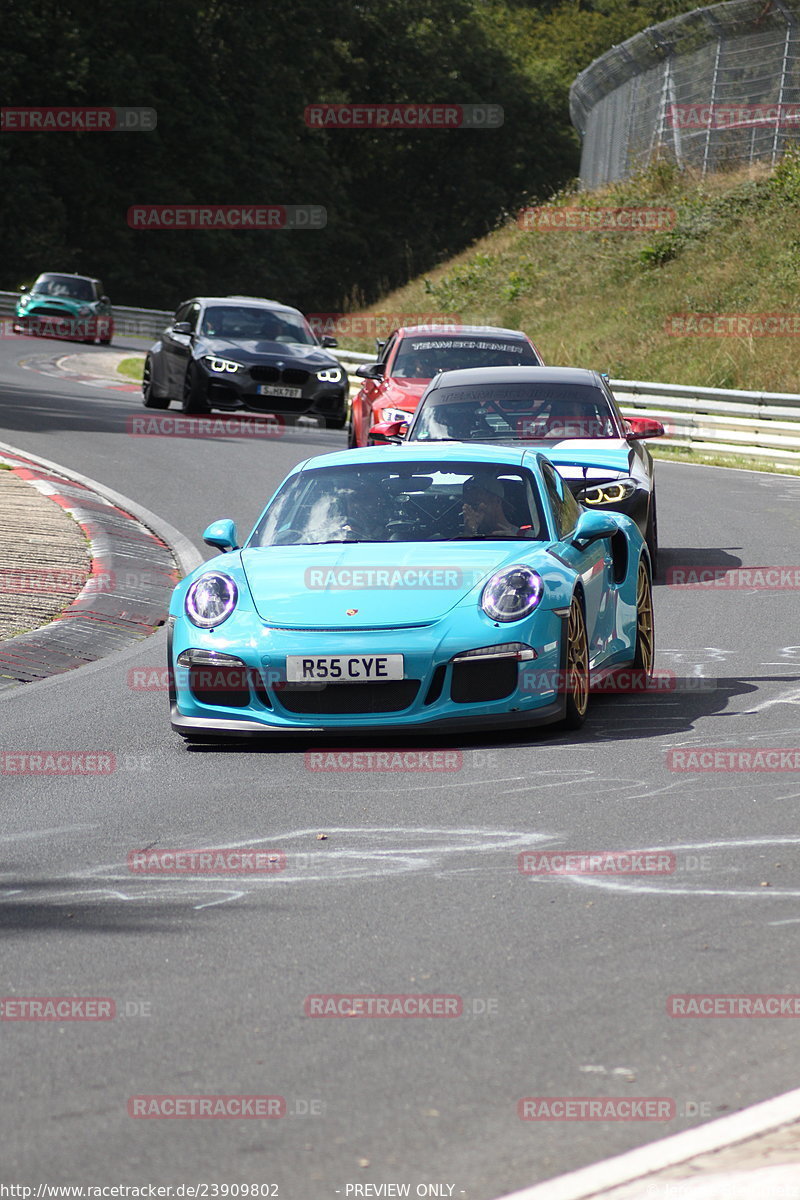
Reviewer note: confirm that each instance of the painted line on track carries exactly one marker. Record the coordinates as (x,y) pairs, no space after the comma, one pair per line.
(635,1165)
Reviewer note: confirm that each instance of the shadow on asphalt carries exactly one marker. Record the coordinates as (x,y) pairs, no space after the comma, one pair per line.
(36,411)
(700,559)
(636,716)
(84,914)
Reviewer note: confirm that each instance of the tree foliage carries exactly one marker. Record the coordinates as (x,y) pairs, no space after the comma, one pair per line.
(230,80)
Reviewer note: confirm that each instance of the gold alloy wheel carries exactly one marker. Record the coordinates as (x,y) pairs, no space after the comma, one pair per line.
(577,660)
(644,621)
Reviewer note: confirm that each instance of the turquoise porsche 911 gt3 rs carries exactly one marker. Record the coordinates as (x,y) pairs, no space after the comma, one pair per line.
(430,588)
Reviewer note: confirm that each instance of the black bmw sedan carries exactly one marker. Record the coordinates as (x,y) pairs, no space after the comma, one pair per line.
(237,352)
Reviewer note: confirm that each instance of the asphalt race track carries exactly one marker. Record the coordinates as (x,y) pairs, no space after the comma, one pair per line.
(415,889)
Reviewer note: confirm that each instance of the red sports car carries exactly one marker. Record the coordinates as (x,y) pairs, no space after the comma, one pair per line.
(412,356)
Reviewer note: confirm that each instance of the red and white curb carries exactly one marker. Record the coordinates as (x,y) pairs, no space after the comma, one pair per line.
(53,369)
(136,558)
(759,1182)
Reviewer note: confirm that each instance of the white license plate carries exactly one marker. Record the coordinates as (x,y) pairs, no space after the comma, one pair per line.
(268,389)
(343,668)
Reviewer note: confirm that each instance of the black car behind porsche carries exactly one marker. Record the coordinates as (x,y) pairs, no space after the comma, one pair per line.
(237,352)
(567,413)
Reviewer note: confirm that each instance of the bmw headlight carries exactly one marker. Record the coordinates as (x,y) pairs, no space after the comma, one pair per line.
(211,599)
(330,375)
(221,365)
(609,493)
(395,414)
(512,594)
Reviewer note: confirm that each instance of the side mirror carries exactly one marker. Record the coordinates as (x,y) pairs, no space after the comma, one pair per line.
(23,287)
(644,427)
(388,431)
(371,370)
(592,527)
(329,342)
(104,300)
(221,535)
(182,327)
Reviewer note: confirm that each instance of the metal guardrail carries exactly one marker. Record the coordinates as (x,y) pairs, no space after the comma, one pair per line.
(754,424)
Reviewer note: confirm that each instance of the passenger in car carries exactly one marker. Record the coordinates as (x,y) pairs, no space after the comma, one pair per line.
(482,506)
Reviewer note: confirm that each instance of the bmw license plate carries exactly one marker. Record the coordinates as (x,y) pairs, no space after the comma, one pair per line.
(268,389)
(343,668)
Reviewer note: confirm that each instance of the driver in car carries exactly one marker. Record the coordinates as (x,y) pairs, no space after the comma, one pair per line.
(364,520)
(482,508)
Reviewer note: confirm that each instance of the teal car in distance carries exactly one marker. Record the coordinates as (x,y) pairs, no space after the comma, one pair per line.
(410,589)
(65,306)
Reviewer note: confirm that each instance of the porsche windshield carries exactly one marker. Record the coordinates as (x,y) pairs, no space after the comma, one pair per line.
(506,412)
(413,502)
(243,323)
(424,357)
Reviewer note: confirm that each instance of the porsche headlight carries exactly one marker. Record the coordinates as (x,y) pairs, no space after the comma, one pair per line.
(395,414)
(330,375)
(512,594)
(211,599)
(221,365)
(609,493)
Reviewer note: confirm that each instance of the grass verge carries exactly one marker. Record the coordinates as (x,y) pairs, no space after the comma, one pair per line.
(132,368)
(613,300)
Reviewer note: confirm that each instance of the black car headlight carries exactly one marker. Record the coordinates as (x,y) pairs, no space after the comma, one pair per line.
(330,375)
(512,594)
(222,366)
(609,493)
(211,599)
